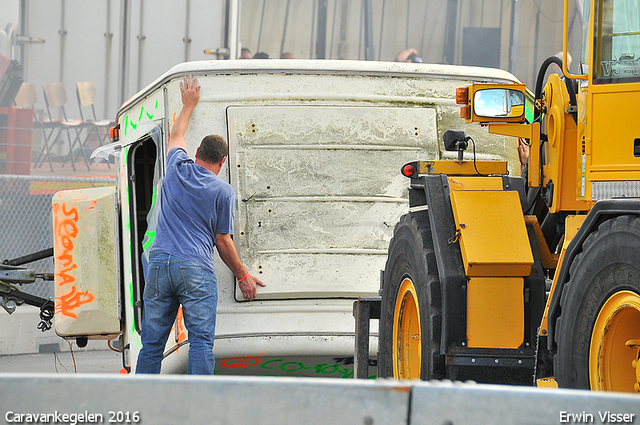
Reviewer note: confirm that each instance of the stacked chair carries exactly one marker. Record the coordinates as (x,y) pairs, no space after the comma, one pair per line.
(27,98)
(86,94)
(55,97)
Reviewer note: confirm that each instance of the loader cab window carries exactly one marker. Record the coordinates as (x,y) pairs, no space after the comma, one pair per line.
(144,177)
(617,41)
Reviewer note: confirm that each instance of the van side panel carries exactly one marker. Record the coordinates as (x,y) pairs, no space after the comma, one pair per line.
(319,189)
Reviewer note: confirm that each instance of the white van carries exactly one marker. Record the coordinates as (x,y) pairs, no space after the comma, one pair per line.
(315,154)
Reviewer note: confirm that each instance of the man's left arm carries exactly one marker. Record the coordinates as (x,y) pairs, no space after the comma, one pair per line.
(190,92)
(228,253)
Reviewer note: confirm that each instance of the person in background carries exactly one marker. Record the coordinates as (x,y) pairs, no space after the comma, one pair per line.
(523,156)
(409,55)
(287,55)
(261,55)
(245,53)
(196,214)
(556,69)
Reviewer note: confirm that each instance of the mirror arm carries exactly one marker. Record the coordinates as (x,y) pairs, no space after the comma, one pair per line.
(526,131)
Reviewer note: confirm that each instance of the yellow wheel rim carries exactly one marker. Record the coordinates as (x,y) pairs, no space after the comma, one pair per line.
(614,351)
(407,352)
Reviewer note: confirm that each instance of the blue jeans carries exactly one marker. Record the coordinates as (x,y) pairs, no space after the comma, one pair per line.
(172,281)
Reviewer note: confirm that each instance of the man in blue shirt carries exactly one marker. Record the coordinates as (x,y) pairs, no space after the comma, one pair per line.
(196,214)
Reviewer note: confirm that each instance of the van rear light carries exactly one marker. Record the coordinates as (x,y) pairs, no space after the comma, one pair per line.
(114,133)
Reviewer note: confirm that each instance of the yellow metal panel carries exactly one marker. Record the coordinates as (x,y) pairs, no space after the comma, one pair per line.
(549,260)
(571,226)
(527,131)
(475,183)
(549,382)
(561,152)
(493,236)
(495,312)
(463,168)
(614,127)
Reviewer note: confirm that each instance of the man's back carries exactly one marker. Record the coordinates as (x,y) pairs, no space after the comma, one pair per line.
(195,205)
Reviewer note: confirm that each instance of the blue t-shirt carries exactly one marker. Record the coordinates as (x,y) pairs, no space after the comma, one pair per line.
(195,204)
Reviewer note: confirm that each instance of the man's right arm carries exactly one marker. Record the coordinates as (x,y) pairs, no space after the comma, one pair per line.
(229,255)
(190,91)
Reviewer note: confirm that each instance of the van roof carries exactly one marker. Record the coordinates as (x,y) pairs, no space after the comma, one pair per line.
(325,67)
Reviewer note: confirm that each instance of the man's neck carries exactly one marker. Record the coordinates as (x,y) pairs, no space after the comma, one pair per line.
(214,168)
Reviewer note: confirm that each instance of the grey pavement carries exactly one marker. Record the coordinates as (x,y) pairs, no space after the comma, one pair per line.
(86,361)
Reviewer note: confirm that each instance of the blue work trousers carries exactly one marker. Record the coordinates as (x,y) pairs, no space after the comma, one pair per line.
(172,281)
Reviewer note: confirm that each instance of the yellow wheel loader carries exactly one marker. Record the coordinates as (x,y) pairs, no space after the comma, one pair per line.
(509,279)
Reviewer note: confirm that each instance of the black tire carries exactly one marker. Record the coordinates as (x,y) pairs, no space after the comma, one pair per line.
(411,255)
(609,263)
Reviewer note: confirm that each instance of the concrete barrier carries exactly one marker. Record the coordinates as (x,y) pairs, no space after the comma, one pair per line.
(159,400)
(447,403)
(171,400)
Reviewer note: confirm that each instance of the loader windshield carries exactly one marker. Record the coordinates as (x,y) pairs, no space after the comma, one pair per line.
(617,41)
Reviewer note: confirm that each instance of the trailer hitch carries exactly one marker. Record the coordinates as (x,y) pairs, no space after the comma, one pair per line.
(11,297)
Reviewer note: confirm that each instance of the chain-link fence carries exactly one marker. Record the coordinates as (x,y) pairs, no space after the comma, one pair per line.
(25,219)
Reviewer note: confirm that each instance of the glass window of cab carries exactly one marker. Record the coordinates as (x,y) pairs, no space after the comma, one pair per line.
(617,41)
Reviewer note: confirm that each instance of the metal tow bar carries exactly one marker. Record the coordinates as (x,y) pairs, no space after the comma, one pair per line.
(12,274)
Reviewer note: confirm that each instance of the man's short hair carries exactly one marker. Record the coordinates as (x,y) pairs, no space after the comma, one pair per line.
(212,149)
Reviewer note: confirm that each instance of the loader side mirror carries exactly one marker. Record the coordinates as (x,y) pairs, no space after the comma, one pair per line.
(492,103)
(498,103)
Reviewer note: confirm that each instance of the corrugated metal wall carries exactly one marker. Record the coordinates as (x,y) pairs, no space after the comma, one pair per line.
(436,28)
(83,39)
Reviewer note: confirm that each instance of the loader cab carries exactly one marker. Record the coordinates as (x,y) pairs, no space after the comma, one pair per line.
(607,99)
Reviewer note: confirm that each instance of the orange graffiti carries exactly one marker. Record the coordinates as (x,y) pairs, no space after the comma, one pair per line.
(65,277)
(92,205)
(72,300)
(240,362)
(65,231)
(171,125)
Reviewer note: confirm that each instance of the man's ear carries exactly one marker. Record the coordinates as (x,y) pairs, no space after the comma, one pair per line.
(222,161)
(197,152)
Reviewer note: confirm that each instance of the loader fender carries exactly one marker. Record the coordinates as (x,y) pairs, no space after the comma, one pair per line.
(601,211)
